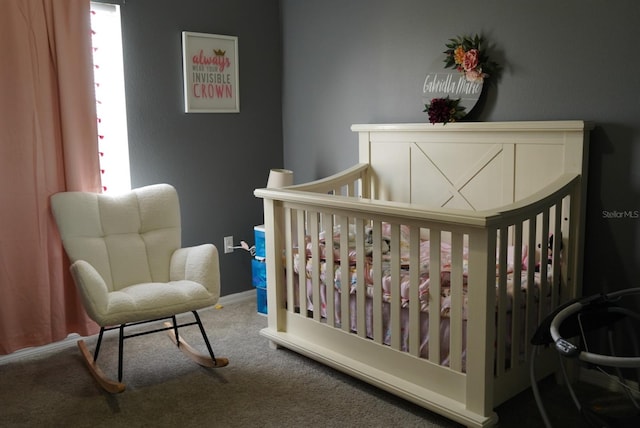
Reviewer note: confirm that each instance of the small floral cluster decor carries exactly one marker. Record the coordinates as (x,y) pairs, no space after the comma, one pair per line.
(444,110)
(469,56)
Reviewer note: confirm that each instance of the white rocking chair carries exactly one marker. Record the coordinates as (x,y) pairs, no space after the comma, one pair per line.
(129,268)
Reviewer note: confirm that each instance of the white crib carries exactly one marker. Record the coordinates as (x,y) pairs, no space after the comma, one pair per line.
(442,236)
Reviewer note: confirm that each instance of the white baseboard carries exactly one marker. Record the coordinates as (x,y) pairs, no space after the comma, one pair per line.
(39,351)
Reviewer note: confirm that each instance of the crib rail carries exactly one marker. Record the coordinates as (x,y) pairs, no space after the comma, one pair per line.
(474,311)
(349,182)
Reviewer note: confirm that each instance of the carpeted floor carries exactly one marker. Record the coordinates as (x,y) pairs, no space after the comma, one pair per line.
(261,387)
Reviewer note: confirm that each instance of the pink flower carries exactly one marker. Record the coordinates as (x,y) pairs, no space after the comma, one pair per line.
(475,75)
(470,60)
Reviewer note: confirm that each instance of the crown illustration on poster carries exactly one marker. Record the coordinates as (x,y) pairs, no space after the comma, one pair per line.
(219,52)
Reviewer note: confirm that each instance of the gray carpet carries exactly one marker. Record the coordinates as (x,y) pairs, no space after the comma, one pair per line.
(261,387)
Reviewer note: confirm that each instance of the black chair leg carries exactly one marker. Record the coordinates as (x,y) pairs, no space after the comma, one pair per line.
(204,335)
(175,329)
(95,353)
(120,351)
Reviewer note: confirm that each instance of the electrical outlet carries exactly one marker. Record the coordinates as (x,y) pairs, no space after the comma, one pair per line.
(228,244)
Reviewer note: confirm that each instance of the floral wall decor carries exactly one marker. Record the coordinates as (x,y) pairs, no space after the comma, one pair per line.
(450,95)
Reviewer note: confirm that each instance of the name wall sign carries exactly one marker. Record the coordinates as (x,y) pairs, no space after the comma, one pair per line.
(452,84)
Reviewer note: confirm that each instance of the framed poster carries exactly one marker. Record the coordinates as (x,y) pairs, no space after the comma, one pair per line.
(210,73)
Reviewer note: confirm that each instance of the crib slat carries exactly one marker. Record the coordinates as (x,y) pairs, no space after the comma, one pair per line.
(329,268)
(544,267)
(377,324)
(313,219)
(395,287)
(457,297)
(345,312)
(289,242)
(501,330)
(414,290)
(531,312)
(350,189)
(302,262)
(360,278)
(516,311)
(555,253)
(569,221)
(435,307)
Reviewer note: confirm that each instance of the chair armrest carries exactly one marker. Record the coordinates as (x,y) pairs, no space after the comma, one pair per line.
(199,264)
(92,288)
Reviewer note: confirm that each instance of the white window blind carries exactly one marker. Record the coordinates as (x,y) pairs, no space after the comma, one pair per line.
(113,144)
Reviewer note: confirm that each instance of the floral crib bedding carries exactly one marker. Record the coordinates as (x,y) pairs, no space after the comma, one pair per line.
(424,280)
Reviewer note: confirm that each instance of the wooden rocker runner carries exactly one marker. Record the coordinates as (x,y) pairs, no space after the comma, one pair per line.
(129,268)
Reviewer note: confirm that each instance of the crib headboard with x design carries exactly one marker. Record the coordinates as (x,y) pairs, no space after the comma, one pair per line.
(470,166)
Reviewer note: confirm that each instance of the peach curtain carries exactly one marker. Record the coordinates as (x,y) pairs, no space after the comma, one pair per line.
(48,144)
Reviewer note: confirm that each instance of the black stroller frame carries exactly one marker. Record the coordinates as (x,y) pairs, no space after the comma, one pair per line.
(574,319)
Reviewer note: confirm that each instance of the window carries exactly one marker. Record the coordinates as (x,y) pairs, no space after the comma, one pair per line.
(110,98)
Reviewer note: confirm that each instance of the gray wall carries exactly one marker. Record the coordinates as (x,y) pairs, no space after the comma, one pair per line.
(364,61)
(214,160)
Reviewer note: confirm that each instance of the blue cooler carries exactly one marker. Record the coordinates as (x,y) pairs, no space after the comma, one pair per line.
(259,270)
(258,237)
